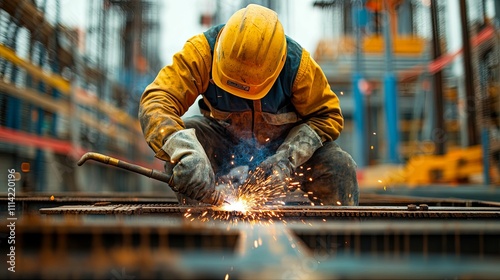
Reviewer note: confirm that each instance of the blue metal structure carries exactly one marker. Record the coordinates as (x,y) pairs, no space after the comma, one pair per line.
(54,104)
(360,19)
(390,94)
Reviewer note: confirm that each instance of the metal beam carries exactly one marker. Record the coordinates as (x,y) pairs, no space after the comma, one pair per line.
(390,92)
(470,107)
(360,150)
(27,15)
(54,80)
(123,248)
(497,13)
(439,125)
(286,212)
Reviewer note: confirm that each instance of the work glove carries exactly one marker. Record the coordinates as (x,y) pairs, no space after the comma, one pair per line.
(235,177)
(192,173)
(299,145)
(229,183)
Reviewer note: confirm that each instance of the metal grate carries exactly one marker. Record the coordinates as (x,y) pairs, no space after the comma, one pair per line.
(300,212)
(166,247)
(426,240)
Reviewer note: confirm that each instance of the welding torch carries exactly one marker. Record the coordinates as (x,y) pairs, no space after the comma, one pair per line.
(216,198)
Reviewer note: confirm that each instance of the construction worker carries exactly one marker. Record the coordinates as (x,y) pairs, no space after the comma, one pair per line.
(265,104)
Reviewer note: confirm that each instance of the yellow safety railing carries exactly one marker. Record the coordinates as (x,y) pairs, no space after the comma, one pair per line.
(51,79)
(330,48)
(63,106)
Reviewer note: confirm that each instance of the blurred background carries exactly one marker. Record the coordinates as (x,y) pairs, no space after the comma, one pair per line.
(419,85)
(418,82)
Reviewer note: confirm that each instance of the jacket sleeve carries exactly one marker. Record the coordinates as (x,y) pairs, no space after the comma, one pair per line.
(173,91)
(314,100)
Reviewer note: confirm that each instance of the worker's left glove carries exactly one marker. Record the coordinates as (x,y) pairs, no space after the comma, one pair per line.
(300,144)
(192,173)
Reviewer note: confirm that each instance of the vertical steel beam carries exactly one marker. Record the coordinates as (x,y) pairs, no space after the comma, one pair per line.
(360,147)
(40,165)
(56,67)
(439,125)
(497,13)
(405,18)
(390,92)
(13,103)
(470,109)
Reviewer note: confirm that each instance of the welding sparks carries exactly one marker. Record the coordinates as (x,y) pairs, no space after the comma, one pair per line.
(256,191)
(252,201)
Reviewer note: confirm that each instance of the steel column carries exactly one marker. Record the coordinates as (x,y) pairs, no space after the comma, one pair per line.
(497,13)
(439,125)
(470,109)
(390,93)
(360,148)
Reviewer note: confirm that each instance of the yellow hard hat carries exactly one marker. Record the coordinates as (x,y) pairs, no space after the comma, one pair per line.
(250,52)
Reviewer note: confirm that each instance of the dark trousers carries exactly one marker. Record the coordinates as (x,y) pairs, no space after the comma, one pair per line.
(328,177)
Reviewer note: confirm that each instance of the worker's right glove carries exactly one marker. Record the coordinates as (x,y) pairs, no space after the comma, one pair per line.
(192,173)
(236,176)
(300,144)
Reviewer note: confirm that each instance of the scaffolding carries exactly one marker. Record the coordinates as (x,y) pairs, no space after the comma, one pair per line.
(66,90)
(437,109)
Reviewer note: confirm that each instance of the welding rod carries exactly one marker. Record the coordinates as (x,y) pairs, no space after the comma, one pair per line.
(151,173)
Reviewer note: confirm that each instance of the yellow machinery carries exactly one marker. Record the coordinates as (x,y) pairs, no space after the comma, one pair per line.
(457,166)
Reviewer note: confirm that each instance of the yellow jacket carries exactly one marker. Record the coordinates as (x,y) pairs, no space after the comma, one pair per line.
(301,94)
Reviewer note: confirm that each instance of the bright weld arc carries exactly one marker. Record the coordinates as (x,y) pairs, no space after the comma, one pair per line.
(251,195)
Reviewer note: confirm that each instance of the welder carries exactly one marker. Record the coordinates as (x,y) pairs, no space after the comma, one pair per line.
(265,103)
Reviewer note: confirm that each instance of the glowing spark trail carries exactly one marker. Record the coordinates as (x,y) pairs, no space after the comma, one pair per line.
(253,201)
(257,190)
